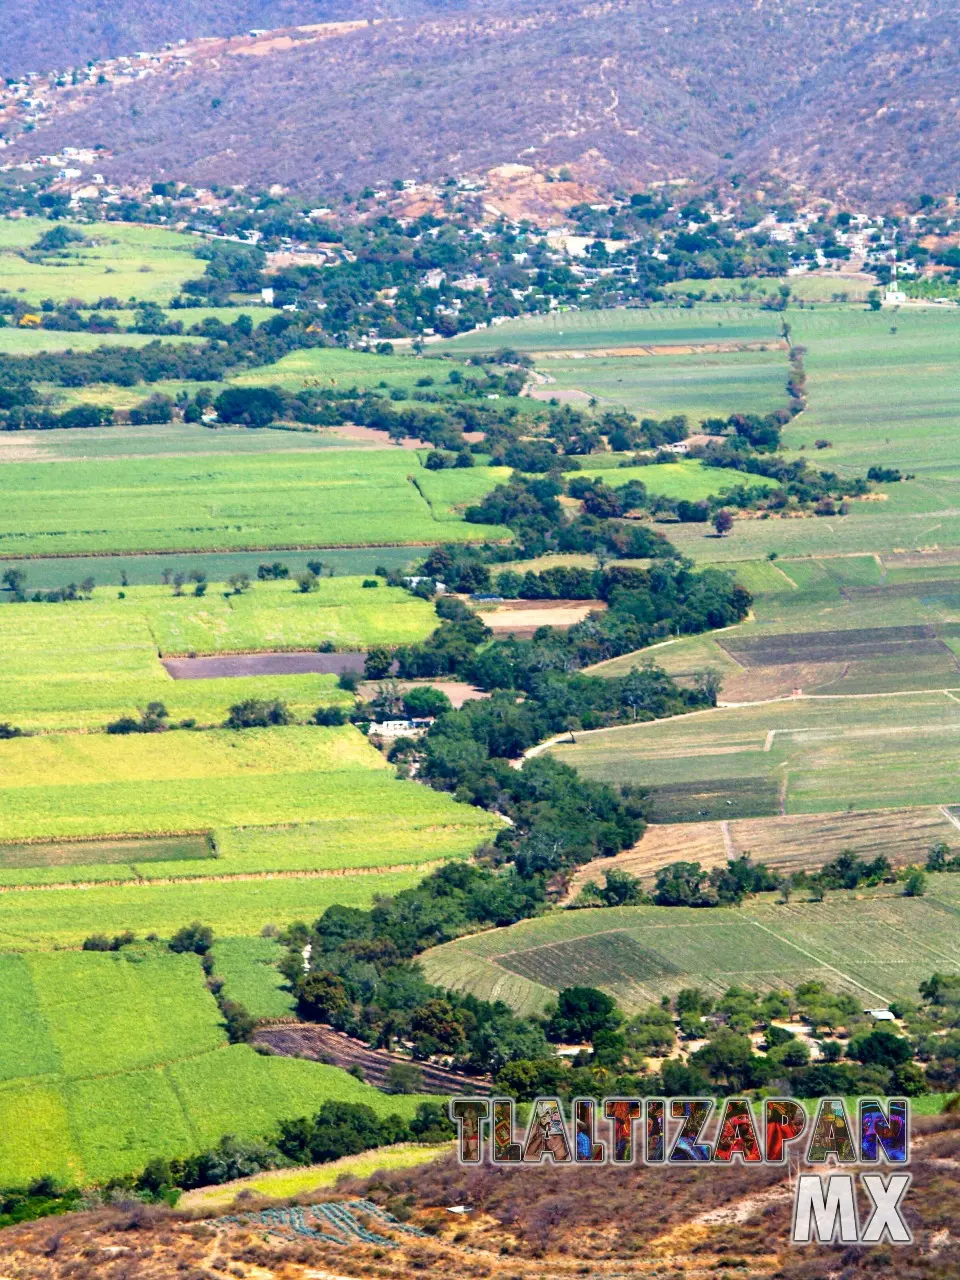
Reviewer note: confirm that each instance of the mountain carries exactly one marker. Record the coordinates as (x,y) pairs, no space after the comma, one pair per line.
(853,97)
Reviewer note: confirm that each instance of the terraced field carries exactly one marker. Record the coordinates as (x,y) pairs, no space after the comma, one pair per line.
(108,1060)
(878,948)
(352,498)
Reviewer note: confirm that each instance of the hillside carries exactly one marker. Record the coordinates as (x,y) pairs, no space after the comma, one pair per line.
(846,96)
(636,1222)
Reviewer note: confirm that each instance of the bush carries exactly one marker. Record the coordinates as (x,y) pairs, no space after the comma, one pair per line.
(330,716)
(258,713)
(403,1077)
(194,937)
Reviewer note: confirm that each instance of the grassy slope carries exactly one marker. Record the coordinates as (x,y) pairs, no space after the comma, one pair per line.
(146,263)
(882,752)
(877,948)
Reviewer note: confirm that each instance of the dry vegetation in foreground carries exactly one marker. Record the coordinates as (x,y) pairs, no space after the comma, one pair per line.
(795,842)
(639,1222)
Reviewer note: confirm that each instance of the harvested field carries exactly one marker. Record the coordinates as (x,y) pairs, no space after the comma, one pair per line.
(786,843)
(867,643)
(522,617)
(263,664)
(323,1044)
(714,798)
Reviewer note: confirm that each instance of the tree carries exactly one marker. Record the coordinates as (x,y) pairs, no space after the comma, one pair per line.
(621,889)
(249,406)
(377,664)
(723,522)
(728,1058)
(240,582)
(330,716)
(882,1048)
(15,580)
(240,1024)
(936,858)
(194,937)
(580,1013)
(707,684)
(425,701)
(307,582)
(322,997)
(908,1080)
(915,884)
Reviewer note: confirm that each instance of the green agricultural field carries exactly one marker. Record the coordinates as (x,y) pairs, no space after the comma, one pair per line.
(39,919)
(651,326)
(698,385)
(181,782)
(825,287)
(248,967)
(124,1058)
(879,388)
(332,368)
(118,261)
(689,479)
(823,754)
(148,570)
(31,342)
(342,498)
(83,663)
(878,948)
(276,615)
(172,439)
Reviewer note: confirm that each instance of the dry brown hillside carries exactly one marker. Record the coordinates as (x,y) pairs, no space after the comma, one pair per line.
(849,95)
(686,1223)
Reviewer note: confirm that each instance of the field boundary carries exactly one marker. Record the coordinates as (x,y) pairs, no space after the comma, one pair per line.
(140,881)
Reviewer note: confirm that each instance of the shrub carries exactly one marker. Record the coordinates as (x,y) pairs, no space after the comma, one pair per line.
(194,937)
(258,713)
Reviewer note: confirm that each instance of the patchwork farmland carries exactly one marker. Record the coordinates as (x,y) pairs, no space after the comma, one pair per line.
(108,1061)
(808,755)
(878,948)
(83,663)
(843,625)
(181,782)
